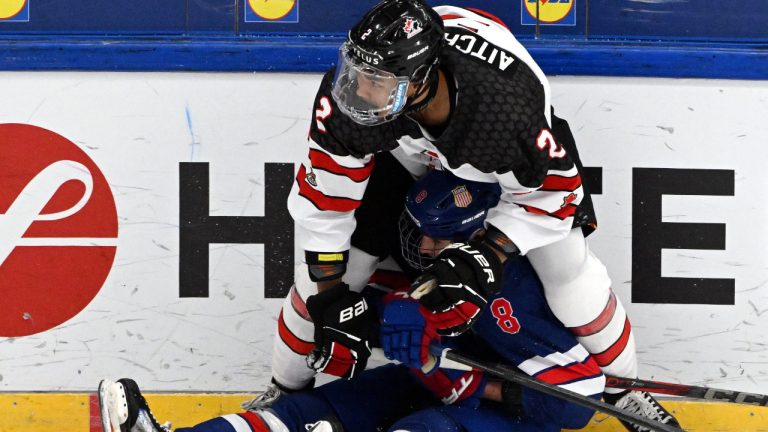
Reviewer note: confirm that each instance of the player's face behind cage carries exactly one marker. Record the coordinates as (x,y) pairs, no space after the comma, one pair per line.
(367,95)
(412,243)
(390,52)
(418,249)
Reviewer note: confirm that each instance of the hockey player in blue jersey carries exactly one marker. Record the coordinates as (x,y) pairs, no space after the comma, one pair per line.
(515,326)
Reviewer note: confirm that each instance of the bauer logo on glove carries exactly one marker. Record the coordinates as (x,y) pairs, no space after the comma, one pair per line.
(353,311)
(457,286)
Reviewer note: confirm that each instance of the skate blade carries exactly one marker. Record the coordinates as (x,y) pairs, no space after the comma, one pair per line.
(106,425)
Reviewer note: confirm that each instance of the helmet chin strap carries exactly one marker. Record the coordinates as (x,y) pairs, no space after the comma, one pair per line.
(429,85)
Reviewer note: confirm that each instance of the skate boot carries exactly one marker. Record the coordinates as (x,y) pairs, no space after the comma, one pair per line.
(642,404)
(269,396)
(124,409)
(264,399)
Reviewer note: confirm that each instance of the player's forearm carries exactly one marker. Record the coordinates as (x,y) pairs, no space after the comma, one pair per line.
(502,256)
(492,391)
(326,269)
(501,245)
(324,285)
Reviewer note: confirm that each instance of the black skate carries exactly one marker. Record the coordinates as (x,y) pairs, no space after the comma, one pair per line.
(642,404)
(124,409)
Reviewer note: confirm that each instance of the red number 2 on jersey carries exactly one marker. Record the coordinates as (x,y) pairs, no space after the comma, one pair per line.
(501,309)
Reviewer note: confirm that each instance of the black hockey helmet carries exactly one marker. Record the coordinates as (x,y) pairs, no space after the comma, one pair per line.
(395,44)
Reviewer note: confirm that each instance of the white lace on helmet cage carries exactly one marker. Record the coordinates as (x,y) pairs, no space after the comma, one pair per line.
(366,94)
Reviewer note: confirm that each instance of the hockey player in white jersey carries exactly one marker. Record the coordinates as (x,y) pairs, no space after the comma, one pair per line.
(449,88)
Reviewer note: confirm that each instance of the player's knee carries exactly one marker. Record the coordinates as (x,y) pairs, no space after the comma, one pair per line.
(581,299)
(431,420)
(591,273)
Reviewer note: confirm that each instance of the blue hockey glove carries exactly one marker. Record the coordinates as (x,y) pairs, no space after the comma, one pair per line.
(407,332)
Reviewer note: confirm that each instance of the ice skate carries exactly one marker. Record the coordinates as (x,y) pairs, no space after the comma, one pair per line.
(124,409)
(264,399)
(642,404)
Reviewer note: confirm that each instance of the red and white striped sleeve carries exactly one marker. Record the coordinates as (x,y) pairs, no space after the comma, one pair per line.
(537,216)
(328,190)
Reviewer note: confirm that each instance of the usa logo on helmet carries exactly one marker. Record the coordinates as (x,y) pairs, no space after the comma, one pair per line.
(461,196)
(550,12)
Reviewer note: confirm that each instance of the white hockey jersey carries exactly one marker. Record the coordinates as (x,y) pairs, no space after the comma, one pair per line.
(500,130)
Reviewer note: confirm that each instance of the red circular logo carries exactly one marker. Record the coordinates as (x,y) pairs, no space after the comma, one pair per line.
(58,229)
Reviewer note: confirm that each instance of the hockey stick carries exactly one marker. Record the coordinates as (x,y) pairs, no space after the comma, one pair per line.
(706,393)
(450,359)
(437,352)
(507,373)
(696,392)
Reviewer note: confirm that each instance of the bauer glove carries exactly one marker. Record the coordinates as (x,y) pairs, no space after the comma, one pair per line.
(343,327)
(457,286)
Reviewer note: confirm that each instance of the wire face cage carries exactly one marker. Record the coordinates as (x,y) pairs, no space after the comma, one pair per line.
(410,242)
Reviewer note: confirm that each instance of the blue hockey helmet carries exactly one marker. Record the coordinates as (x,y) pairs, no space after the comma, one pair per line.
(443,206)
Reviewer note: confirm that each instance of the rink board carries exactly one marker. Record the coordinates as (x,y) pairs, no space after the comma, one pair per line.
(80,413)
(702,39)
(678,165)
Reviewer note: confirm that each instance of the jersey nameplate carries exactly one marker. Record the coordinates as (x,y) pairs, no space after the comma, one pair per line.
(480,49)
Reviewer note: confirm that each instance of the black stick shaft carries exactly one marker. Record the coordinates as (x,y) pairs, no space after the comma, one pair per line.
(696,392)
(509,374)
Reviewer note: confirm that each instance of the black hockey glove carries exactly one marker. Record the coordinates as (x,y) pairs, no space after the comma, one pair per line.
(457,286)
(343,326)
(512,399)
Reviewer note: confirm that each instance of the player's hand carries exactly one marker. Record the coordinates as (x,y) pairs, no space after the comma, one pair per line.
(457,286)
(343,327)
(406,332)
(453,386)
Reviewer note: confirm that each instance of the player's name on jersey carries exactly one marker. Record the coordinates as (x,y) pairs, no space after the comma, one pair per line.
(484,51)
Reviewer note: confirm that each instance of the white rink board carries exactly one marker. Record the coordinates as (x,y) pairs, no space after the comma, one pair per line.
(138,127)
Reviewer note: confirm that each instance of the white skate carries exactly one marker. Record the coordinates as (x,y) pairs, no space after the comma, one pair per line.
(124,409)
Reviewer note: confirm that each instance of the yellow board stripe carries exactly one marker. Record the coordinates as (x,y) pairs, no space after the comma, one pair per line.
(700,417)
(41,412)
(77,412)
